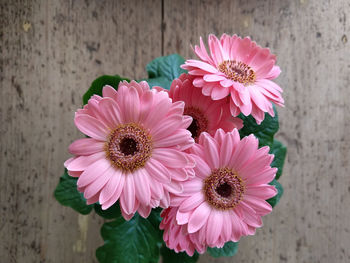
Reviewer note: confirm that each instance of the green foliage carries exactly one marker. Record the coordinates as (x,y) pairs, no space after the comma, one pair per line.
(98,84)
(228,250)
(280,151)
(163,70)
(134,241)
(170,256)
(67,194)
(274,200)
(110,213)
(264,132)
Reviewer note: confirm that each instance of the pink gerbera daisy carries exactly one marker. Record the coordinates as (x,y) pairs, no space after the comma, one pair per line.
(227,197)
(239,68)
(136,150)
(207,115)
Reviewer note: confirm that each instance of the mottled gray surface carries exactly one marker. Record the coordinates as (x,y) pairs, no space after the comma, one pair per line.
(52,50)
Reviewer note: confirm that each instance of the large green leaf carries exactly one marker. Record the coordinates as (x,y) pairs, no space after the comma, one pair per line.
(163,70)
(170,256)
(98,84)
(264,132)
(67,194)
(228,250)
(279,150)
(110,213)
(134,241)
(274,200)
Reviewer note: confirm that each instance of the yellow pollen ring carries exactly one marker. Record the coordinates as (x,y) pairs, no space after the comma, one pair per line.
(115,147)
(238,71)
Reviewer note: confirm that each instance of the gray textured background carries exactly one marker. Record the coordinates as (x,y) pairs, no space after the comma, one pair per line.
(52,50)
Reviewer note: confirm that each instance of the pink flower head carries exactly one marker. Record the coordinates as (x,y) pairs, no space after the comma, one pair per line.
(136,150)
(239,68)
(227,197)
(207,115)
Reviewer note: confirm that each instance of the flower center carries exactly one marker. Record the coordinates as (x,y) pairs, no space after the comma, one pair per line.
(223,189)
(199,123)
(237,71)
(128,147)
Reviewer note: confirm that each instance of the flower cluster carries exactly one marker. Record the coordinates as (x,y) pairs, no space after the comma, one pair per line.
(180,149)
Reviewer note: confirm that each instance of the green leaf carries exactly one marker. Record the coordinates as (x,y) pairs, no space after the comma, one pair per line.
(163,70)
(110,213)
(170,256)
(279,150)
(274,200)
(228,250)
(98,84)
(264,132)
(134,241)
(67,194)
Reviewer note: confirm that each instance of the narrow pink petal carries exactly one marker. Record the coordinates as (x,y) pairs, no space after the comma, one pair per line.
(93,171)
(144,211)
(192,202)
(249,215)
(179,137)
(80,163)
(274,73)
(115,182)
(111,111)
(264,69)
(86,146)
(226,83)
(157,171)
(127,198)
(201,65)
(192,186)
(219,93)
(260,206)
(211,150)
(97,184)
(172,158)
(214,226)
(142,187)
(199,217)
(213,77)
(236,227)
(132,105)
(202,169)
(261,191)
(91,127)
(157,191)
(227,226)
(109,91)
(198,82)
(182,218)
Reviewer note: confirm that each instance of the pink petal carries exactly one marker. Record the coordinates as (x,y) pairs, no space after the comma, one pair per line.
(142,188)
(97,184)
(116,182)
(219,93)
(171,158)
(213,78)
(201,65)
(111,112)
(199,217)
(86,146)
(80,163)
(109,91)
(214,226)
(92,172)
(192,202)
(127,198)
(91,127)
(274,73)
(211,150)
(157,171)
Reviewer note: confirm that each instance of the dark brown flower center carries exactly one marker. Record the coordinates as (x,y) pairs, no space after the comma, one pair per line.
(237,71)
(128,147)
(199,123)
(224,189)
